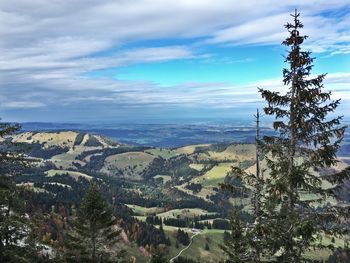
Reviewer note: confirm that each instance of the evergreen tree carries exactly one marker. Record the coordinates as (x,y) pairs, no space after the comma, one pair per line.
(236,244)
(182,237)
(307,141)
(15,227)
(159,254)
(94,231)
(252,237)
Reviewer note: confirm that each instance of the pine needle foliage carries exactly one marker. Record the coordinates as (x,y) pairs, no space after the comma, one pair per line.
(15,226)
(236,244)
(291,202)
(94,234)
(307,142)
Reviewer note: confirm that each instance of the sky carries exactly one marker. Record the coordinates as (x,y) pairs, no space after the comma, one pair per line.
(159,60)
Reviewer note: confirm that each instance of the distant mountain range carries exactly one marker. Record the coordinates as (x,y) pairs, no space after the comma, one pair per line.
(169,135)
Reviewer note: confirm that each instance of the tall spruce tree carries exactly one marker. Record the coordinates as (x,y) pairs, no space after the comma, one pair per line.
(236,244)
(15,226)
(307,141)
(247,241)
(94,235)
(246,244)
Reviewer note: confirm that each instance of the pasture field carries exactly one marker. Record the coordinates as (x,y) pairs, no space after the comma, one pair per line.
(233,153)
(183,213)
(73,174)
(214,176)
(210,180)
(144,211)
(189,149)
(164,153)
(174,213)
(197,166)
(65,160)
(62,138)
(197,250)
(130,164)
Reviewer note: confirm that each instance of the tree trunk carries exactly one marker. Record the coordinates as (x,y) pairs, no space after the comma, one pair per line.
(292,127)
(93,240)
(257,186)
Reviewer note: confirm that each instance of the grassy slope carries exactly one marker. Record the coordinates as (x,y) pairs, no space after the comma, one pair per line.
(63,138)
(189,149)
(234,152)
(182,213)
(215,176)
(143,211)
(197,250)
(209,180)
(164,153)
(73,174)
(197,166)
(131,164)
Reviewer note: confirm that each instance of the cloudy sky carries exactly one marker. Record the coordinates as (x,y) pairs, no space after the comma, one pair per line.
(156,60)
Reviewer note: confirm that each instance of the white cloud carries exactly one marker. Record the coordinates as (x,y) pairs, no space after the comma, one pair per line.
(22,104)
(75,62)
(48,48)
(326,34)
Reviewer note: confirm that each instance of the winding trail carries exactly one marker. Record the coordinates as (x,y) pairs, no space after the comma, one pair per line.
(182,250)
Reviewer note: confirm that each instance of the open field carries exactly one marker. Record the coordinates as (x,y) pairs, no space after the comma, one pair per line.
(130,164)
(174,213)
(197,166)
(62,138)
(183,213)
(73,174)
(144,211)
(197,250)
(233,153)
(65,160)
(189,149)
(215,176)
(164,153)
(210,180)
(323,254)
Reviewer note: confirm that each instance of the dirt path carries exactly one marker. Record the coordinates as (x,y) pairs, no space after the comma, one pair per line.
(182,250)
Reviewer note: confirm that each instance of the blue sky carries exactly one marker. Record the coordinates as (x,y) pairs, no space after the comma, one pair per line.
(157,60)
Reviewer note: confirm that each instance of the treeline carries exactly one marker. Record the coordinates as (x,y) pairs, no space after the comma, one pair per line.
(38,150)
(143,233)
(58,189)
(195,188)
(182,237)
(218,147)
(195,222)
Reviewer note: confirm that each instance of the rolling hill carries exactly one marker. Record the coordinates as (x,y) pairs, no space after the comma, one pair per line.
(180,185)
